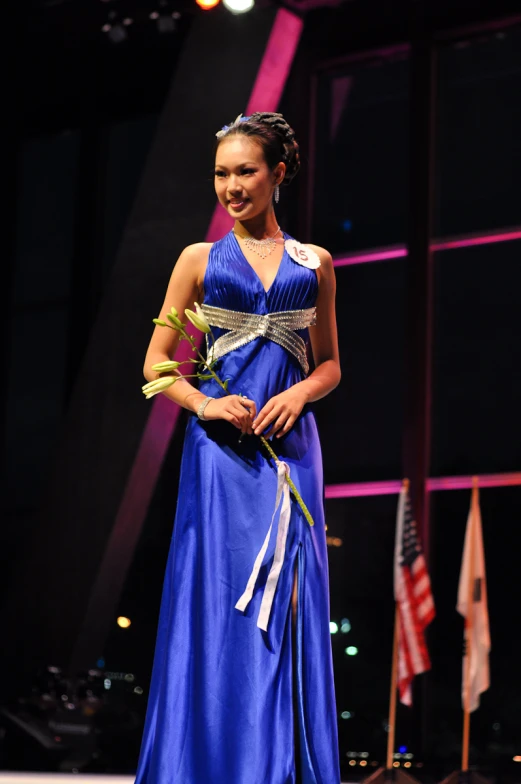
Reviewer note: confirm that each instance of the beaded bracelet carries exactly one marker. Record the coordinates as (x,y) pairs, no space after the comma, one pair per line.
(202,407)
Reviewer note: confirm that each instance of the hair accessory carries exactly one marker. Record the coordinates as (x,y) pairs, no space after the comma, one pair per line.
(202,407)
(276,194)
(224,130)
(263,247)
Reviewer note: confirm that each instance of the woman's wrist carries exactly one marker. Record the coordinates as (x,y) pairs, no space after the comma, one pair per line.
(193,400)
(304,389)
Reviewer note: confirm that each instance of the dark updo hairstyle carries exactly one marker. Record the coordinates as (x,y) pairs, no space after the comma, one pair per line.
(274,135)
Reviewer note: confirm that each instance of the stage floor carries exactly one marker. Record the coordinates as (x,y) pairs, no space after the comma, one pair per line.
(19,777)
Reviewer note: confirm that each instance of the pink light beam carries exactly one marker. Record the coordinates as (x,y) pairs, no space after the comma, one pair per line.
(450,243)
(392,486)
(163,418)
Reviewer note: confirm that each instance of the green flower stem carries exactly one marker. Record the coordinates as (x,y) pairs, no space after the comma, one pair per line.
(204,363)
(298,497)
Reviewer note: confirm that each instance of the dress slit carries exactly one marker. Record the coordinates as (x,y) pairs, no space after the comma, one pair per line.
(294,669)
(304,766)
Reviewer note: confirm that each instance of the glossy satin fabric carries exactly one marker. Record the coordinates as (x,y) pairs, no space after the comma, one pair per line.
(221,701)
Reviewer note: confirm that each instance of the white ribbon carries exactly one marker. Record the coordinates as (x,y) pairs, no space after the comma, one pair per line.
(278,558)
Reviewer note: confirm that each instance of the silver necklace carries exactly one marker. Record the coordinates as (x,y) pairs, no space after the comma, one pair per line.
(263,247)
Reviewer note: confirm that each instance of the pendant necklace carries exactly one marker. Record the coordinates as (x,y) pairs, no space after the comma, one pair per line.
(263,247)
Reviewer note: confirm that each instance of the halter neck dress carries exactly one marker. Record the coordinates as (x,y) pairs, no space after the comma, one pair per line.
(230,703)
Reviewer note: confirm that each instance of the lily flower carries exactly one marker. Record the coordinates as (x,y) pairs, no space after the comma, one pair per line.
(178,324)
(158,385)
(198,318)
(165,367)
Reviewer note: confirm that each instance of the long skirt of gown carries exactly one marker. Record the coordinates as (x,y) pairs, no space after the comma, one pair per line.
(228,702)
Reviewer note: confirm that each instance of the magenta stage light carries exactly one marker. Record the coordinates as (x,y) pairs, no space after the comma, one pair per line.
(393,486)
(450,243)
(466,482)
(163,418)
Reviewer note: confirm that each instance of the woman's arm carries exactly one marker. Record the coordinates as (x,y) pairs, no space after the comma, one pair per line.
(282,410)
(184,288)
(324,335)
(182,291)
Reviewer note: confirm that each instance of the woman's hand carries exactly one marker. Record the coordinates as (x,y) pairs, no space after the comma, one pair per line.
(280,412)
(240,411)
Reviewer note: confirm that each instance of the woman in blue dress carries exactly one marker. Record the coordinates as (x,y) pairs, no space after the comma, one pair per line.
(242,688)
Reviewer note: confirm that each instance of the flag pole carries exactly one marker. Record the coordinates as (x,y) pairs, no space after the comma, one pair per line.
(394,677)
(394,688)
(469,622)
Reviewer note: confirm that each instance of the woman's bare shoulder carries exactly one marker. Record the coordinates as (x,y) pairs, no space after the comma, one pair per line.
(191,264)
(192,260)
(196,252)
(323,254)
(326,271)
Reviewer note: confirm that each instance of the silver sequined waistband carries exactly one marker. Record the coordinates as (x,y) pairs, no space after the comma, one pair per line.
(244,327)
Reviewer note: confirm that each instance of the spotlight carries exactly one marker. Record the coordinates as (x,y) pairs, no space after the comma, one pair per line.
(239,6)
(333,541)
(207,5)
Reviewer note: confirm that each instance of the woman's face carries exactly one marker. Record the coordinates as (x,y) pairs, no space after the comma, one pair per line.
(243,181)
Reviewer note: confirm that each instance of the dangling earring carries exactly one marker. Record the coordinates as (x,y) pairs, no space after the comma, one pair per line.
(276,194)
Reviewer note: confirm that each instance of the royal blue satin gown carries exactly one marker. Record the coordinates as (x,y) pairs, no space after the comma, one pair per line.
(228,702)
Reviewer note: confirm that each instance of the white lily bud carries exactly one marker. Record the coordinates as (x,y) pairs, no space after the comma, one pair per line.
(158,385)
(165,367)
(199,321)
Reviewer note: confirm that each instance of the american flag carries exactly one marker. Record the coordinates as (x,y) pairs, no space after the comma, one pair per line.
(414,600)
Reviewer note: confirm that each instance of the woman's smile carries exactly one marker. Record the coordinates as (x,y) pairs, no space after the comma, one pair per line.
(238,205)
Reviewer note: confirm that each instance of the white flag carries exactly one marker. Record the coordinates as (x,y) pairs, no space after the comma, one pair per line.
(472,605)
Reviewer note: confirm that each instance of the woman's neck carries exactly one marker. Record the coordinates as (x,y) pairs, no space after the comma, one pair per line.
(260,227)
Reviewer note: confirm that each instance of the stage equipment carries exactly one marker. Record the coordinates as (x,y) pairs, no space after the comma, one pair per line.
(394,775)
(239,6)
(116,28)
(28,743)
(207,5)
(465,777)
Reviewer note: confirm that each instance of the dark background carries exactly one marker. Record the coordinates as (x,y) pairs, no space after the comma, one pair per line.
(85,115)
